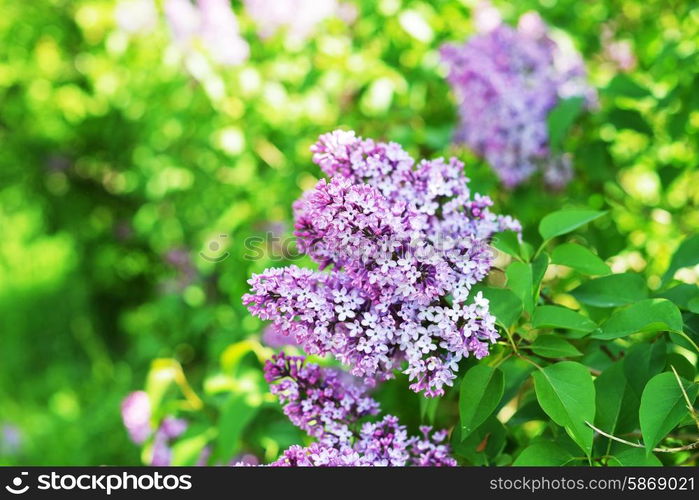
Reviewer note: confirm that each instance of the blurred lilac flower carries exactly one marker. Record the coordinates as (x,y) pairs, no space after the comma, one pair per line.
(507,81)
(328,405)
(618,52)
(238,460)
(180,259)
(486,17)
(297,17)
(213,24)
(136,16)
(220,33)
(170,429)
(245,459)
(405,243)
(10,439)
(58,163)
(184,20)
(136,414)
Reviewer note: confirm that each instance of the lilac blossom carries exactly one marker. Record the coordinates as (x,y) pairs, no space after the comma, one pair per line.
(618,52)
(136,414)
(208,23)
(507,80)
(220,33)
(179,258)
(298,18)
(10,439)
(318,455)
(329,406)
(402,245)
(318,401)
(170,429)
(136,16)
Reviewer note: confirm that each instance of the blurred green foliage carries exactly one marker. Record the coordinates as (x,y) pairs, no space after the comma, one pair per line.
(118,167)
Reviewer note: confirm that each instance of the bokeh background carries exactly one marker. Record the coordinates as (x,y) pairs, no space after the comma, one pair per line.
(124,155)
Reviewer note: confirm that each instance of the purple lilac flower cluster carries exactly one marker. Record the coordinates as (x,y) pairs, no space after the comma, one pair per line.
(405,243)
(328,405)
(507,81)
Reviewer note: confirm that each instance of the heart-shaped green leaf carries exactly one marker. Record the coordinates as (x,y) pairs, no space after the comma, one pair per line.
(519,280)
(611,291)
(543,454)
(650,315)
(566,393)
(579,258)
(480,392)
(686,255)
(561,317)
(565,221)
(552,346)
(663,406)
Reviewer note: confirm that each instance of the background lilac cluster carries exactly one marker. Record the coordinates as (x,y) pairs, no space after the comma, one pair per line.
(507,81)
(404,244)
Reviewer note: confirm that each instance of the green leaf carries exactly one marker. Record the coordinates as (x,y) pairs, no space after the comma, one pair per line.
(543,454)
(508,242)
(611,291)
(642,362)
(187,450)
(682,295)
(629,119)
(693,305)
(428,408)
(686,255)
(482,445)
(663,406)
(479,395)
(617,406)
(504,304)
(516,372)
(561,118)
(566,393)
(235,416)
(623,85)
(634,457)
(551,346)
(579,258)
(519,280)
(565,221)
(539,266)
(561,317)
(531,410)
(650,315)
(683,366)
